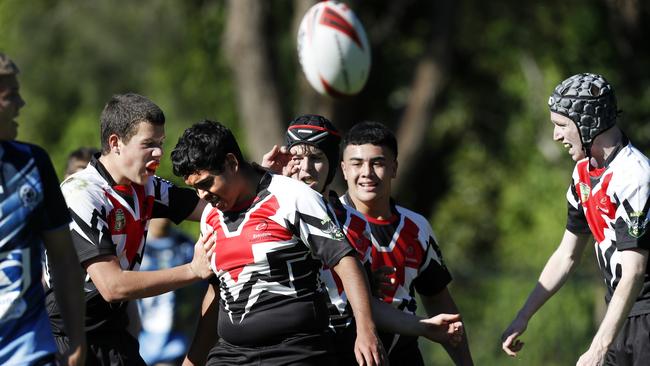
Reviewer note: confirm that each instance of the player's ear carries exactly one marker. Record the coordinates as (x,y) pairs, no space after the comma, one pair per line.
(114,144)
(394,175)
(231,162)
(345,175)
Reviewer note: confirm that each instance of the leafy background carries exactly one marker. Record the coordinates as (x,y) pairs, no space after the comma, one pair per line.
(483,168)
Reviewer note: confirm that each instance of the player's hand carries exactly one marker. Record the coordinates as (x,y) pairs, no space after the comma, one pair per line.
(593,357)
(77,357)
(383,280)
(368,349)
(203,249)
(277,160)
(444,328)
(511,344)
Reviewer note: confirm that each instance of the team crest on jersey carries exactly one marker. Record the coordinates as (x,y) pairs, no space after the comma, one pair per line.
(331,229)
(28,196)
(120,221)
(584,192)
(636,224)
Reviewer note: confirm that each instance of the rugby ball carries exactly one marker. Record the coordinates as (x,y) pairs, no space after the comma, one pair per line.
(333,49)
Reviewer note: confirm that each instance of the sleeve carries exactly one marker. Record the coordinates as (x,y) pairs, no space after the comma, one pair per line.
(433,276)
(171,201)
(632,215)
(89,228)
(576,220)
(55,211)
(316,226)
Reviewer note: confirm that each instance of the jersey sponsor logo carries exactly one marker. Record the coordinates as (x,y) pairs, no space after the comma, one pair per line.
(331,229)
(636,224)
(120,220)
(28,196)
(584,191)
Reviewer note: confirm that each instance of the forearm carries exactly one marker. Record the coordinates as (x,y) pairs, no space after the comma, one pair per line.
(67,282)
(358,292)
(391,320)
(619,307)
(116,284)
(205,336)
(444,303)
(553,276)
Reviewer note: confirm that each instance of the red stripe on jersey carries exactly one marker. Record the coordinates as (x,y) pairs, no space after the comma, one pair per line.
(407,252)
(122,222)
(598,207)
(233,253)
(353,229)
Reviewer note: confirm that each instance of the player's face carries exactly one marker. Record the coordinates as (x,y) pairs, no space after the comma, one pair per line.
(140,157)
(368,170)
(566,132)
(10,104)
(220,190)
(311,165)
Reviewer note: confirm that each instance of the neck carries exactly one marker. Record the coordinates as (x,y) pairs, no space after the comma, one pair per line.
(251,179)
(112,167)
(378,209)
(605,145)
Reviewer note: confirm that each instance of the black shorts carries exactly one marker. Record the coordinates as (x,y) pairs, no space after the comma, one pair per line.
(302,350)
(344,346)
(107,349)
(632,344)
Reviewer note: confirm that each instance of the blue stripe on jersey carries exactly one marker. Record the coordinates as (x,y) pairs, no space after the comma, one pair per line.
(25,333)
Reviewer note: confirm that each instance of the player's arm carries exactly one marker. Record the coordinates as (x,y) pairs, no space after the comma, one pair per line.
(633,263)
(441,328)
(555,273)
(443,303)
(205,336)
(67,281)
(116,284)
(198,210)
(368,347)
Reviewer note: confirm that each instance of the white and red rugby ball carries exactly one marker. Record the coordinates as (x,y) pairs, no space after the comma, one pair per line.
(333,49)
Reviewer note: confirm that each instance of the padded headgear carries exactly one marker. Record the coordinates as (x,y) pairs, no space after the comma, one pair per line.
(589,101)
(318,131)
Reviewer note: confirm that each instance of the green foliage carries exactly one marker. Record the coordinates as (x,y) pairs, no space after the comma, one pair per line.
(498,206)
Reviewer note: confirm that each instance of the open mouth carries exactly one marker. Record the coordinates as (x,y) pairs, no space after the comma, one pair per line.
(152,166)
(309,181)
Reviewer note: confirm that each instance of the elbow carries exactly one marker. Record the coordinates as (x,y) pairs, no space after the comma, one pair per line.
(113,293)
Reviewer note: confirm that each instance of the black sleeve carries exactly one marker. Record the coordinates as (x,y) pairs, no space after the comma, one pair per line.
(576,221)
(173,202)
(631,231)
(55,211)
(316,226)
(434,276)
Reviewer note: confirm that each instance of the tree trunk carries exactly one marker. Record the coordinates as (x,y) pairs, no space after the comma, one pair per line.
(429,80)
(258,96)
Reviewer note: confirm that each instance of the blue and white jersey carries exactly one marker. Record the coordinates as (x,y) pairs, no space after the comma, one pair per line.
(30,203)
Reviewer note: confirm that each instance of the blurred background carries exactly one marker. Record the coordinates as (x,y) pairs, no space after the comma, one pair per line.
(464,85)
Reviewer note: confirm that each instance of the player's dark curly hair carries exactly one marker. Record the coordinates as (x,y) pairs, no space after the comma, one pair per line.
(204,146)
(371,132)
(122,115)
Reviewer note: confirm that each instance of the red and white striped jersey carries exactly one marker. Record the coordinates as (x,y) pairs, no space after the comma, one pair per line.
(612,204)
(407,243)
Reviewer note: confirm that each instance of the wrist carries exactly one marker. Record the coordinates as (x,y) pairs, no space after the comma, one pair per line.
(193,273)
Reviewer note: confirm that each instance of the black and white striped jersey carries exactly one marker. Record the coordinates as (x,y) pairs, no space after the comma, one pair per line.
(111,219)
(612,204)
(267,259)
